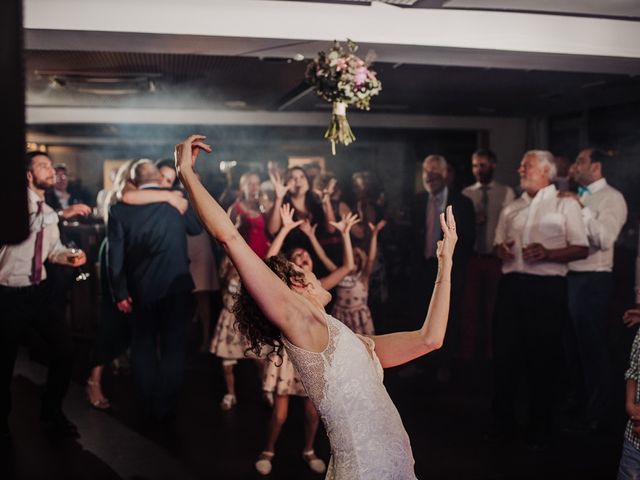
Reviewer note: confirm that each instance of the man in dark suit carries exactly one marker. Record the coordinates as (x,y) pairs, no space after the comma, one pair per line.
(426,210)
(149,274)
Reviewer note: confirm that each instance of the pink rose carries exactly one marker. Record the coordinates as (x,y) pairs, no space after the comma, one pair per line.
(361,75)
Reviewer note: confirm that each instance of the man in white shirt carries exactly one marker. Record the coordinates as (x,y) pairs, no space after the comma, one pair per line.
(537,236)
(489,198)
(25,299)
(590,283)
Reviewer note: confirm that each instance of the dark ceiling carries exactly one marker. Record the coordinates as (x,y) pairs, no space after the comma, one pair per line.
(143,80)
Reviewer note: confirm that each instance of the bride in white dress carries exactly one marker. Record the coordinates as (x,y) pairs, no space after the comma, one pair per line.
(283,307)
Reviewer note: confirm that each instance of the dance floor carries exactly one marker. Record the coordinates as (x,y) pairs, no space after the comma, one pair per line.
(446,423)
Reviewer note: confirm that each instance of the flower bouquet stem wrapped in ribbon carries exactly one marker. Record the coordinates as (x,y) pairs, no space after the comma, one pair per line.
(339,130)
(343,79)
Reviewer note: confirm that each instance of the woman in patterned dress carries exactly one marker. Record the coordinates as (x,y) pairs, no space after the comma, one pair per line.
(280,376)
(228,343)
(352,292)
(282,305)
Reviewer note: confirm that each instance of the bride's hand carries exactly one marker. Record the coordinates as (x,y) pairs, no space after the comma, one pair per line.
(186,153)
(447,245)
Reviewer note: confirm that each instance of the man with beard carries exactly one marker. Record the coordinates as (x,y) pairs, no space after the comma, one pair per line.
(489,198)
(25,301)
(590,287)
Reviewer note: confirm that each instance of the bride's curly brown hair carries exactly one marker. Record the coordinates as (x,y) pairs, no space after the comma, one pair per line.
(250,320)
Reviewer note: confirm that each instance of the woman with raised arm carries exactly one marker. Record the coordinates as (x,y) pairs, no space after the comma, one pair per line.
(352,293)
(282,305)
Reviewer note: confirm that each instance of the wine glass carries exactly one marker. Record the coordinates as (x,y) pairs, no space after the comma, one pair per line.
(73,252)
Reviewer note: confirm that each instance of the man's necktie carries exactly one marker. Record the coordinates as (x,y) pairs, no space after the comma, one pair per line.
(36,268)
(432,214)
(582,191)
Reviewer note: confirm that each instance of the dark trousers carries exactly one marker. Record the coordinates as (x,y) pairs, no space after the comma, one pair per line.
(113,335)
(158,351)
(25,310)
(588,353)
(527,345)
(476,311)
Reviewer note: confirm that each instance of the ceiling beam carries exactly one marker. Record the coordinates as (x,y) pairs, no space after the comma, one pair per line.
(203,117)
(250,26)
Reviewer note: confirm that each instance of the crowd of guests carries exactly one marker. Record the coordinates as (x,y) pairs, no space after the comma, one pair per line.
(531,283)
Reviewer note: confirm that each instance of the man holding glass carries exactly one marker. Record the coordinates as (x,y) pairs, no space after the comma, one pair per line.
(25,301)
(537,235)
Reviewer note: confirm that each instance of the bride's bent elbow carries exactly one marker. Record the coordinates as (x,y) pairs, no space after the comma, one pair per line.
(432,344)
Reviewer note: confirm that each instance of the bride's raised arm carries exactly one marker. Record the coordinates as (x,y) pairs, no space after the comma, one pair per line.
(279,304)
(398,348)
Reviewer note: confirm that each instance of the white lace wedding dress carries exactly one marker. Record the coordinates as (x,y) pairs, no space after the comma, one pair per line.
(368,440)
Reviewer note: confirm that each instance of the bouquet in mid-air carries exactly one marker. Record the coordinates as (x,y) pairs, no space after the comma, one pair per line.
(343,79)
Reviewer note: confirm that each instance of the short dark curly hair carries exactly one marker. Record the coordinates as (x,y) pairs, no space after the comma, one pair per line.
(250,320)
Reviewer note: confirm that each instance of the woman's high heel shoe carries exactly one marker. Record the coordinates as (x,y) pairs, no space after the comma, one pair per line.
(99,403)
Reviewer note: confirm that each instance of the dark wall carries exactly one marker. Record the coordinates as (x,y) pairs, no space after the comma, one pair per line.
(616,128)
(15,222)
(394,155)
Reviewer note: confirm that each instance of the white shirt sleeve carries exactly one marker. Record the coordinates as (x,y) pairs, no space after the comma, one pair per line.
(501,228)
(603,227)
(576,231)
(57,251)
(510,196)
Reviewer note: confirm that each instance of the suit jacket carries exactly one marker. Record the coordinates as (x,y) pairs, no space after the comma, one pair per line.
(465,226)
(147,251)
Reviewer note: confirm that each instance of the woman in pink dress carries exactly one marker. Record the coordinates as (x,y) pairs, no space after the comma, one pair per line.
(227,342)
(247,215)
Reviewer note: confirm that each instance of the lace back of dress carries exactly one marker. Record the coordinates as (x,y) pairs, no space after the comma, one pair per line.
(312,366)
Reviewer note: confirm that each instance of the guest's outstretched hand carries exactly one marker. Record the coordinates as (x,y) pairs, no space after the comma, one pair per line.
(286,214)
(344,225)
(447,245)
(375,228)
(186,153)
(308,229)
(279,188)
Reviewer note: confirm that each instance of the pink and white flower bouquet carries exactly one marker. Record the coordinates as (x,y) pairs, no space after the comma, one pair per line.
(342,78)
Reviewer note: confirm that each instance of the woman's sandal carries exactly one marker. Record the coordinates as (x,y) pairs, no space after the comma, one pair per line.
(263,465)
(316,464)
(100,403)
